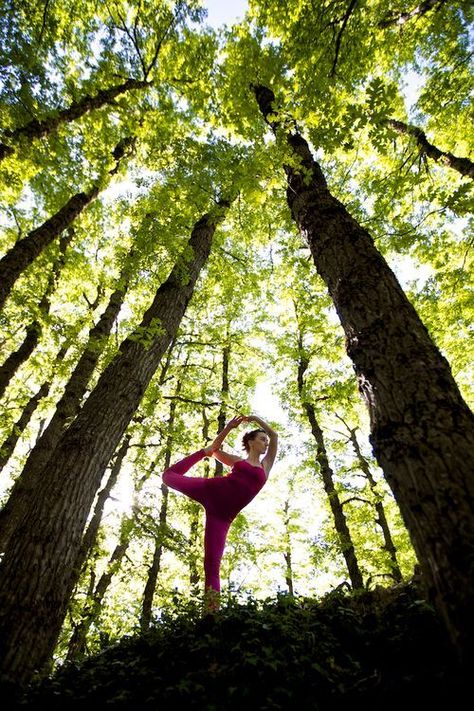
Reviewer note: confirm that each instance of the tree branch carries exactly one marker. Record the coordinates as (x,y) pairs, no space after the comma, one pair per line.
(43,24)
(403,17)
(173,21)
(345,20)
(194,402)
(356,498)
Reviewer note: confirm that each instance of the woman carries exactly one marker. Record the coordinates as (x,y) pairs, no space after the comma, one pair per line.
(224,497)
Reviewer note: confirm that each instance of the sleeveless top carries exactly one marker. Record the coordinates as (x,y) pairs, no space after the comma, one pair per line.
(247,480)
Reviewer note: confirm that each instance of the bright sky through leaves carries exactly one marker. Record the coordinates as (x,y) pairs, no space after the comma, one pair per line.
(222,12)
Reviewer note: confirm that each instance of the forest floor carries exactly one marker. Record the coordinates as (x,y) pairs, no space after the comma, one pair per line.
(381,649)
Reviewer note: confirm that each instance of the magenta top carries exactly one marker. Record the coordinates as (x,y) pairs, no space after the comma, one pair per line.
(247,479)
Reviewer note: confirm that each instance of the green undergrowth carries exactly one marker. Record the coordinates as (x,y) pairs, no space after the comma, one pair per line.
(382,649)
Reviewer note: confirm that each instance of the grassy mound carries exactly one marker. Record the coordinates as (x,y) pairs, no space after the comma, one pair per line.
(381,649)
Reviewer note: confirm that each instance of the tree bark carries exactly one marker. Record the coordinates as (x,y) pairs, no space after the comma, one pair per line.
(8,446)
(465,166)
(26,415)
(154,569)
(381,518)
(422,431)
(34,330)
(66,410)
(23,352)
(77,643)
(340,523)
(40,128)
(90,536)
(221,418)
(24,252)
(288,551)
(35,573)
(93,606)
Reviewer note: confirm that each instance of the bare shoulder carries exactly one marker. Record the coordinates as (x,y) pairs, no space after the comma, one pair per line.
(226,457)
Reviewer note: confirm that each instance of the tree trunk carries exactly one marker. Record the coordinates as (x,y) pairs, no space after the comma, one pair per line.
(6,450)
(66,409)
(22,353)
(33,331)
(25,417)
(90,536)
(287,553)
(381,518)
(462,165)
(221,419)
(422,432)
(36,580)
(38,129)
(194,575)
(154,569)
(24,252)
(345,540)
(92,609)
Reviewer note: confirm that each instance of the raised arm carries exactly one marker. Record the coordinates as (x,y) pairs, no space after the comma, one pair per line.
(214,447)
(269,458)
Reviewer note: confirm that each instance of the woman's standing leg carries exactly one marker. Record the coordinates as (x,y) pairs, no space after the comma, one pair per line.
(215,535)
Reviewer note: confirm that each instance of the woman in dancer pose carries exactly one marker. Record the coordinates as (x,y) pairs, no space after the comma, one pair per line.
(224,497)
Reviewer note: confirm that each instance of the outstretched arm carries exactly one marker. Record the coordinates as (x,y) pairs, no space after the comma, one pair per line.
(213,448)
(269,458)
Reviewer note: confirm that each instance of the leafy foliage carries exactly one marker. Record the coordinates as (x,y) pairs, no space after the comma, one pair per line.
(379,648)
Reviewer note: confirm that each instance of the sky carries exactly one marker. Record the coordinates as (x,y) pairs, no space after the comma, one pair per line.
(222,12)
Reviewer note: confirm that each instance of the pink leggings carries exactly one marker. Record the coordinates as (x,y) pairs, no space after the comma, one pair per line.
(217,497)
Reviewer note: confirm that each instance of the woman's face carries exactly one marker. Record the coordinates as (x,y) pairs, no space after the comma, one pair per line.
(260,443)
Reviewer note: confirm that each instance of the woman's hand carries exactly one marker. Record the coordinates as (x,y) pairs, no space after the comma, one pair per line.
(235,422)
(232,424)
(253,418)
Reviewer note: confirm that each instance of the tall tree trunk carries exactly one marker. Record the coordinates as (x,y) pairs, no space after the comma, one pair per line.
(90,535)
(8,446)
(194,544)
(221,419)
(287,554)
(40,128)
(24,252)
(66,409)
(77,643)
(196,517)
(95,596)
(422,431)
(205,438)
(25,417)
(381,518)
(34,329)
(155,567)
(465,166)
(35,572)
(24,350)
(345,540)
(30,407)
